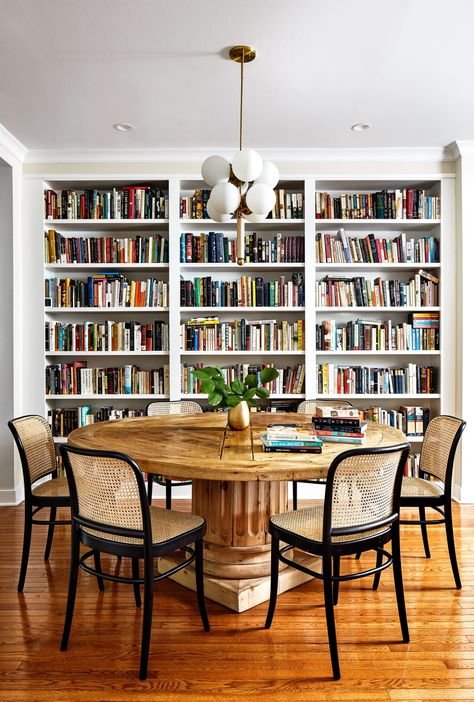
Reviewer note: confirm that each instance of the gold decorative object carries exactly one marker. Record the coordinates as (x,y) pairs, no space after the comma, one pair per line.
(239,416)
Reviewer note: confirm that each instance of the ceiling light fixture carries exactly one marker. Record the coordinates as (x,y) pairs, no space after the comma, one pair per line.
(361,127)
(124,127)
(244,188)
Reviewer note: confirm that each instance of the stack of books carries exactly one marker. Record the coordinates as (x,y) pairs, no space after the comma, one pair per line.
(291,438)
(339,425)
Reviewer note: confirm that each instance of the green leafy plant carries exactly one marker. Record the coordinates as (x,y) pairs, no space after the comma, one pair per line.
(221,395)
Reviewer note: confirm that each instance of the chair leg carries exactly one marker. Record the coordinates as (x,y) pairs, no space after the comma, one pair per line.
(71,595)
(150,488)
(448,515)
(330,621)
(147,615)
(358,555)
(378,563)
(168,493)
(336,568)
(273,581)
(136,586)
(398,580)
(98,567)
(49,540)
(295,494)
(26,548)
(198,567)
(424,532)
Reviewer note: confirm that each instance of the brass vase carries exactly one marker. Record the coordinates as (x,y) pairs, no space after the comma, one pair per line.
(238,417)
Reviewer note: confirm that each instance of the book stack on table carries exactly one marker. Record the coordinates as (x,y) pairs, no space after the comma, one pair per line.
(339,425)
(291,438)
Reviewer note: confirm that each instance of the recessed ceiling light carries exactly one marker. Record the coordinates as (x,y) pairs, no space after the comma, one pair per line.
(360,126)
(124,127)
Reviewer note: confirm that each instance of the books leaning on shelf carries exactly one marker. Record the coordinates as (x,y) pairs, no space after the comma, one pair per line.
(406,203)
(362,380)
(243,292)
(288,205)
(291,438)
(106,336)
(339,424)
(243,335)
(106,290)
(290,380)
(124,202)
(372,248)
(77,379)
(215,247)
(411,420)
(63,421)
(104,249)
(195,206)
(421,334)
(357,291)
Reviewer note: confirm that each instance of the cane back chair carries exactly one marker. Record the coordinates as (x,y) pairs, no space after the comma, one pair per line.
(35,445)
(360,513)
(111,514)
(155,409)
(437,460)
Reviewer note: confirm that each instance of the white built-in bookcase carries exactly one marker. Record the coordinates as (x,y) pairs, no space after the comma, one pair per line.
(35,271)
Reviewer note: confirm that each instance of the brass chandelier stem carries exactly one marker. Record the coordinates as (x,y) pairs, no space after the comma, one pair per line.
(242,99)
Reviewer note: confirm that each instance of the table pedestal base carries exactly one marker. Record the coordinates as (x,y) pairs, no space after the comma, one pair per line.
(240,595)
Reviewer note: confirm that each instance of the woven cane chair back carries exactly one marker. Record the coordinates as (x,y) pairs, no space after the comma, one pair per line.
(441,437)
(35,435)
(181,407)
(309,406)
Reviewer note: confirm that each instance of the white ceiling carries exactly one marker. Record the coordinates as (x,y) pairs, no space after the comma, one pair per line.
(71,69)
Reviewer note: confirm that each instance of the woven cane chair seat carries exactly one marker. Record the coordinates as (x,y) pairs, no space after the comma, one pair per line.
(309,406)
(418,487)
(165,525)
(308,523)
(56,487)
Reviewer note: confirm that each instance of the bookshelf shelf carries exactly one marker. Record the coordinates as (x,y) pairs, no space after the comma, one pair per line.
(378,224)
(77,354)
(242,353)
(109,224)
(247,310)
(268,224)
(274,396)
(378,353)
(243,269)
(106,310)
(379,396)
(106,266)
(107,397)
(391,310)
(376,266)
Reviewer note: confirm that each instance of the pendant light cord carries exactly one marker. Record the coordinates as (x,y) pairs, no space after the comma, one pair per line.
(241,98)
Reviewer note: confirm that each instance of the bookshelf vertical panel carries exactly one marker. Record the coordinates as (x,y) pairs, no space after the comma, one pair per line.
(448,298)
(310,297)
(174,290)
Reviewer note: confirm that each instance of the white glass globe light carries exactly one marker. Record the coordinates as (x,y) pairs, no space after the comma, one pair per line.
(252,217)
(270,174)
(225,198)
(215,215)
(260,198)
(247,165)
(215,169)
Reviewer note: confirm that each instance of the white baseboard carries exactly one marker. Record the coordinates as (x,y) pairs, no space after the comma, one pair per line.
(10,498)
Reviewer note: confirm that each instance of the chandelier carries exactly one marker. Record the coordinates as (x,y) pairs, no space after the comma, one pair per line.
(242,189)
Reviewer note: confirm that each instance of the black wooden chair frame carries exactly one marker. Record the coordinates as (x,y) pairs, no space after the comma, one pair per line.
(331,552)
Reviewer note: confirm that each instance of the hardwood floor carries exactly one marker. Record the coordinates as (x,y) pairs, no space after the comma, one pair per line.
(238,659)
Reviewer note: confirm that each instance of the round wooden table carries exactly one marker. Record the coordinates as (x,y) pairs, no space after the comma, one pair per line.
(237,487)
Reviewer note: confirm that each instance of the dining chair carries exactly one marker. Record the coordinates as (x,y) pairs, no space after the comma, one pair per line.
(155,409)
(111,514)
(309,407)
(437,462)
(35,445)
(360,513)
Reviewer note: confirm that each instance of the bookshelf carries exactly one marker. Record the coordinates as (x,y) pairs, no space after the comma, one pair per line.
(175,270)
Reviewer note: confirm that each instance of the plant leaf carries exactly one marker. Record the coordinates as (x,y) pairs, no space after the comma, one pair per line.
(212,371)
(214,398)
(263,393)
(248,394)
(208,386)
(233,400)
(252,403)
(251,381)
(201,374)
(237,386)
(269,374)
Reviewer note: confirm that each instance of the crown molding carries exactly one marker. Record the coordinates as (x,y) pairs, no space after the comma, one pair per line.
(461,148)
(12,145)
(375,154)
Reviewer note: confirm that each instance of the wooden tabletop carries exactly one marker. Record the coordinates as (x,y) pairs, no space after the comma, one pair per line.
(201,446)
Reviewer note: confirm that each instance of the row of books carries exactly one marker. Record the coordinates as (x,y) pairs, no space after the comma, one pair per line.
(340,248)
(106,290)
(357,291)
(291,438)
(289,381)
(411,420)
(376,335)
(339,424)
(107,336)
(214,247)
(65,419)
(243,292)
(406,203)
(243,335)
(105,249)
(288,205)
(345,379)
(77,379)
(126,202)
